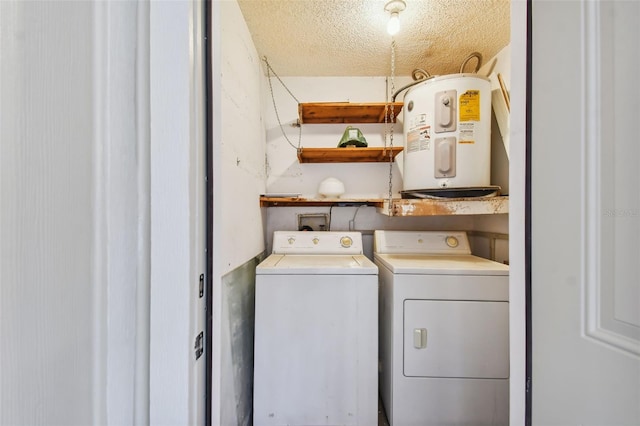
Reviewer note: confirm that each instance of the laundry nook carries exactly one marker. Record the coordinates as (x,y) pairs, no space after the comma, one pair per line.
(394,174)
(381,158)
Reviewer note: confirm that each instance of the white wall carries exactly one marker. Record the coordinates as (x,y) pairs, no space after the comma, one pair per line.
(239,179)
(239,153)
(500,65)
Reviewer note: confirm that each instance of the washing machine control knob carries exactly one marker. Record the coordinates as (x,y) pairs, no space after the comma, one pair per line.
(315,240)
(452,241)
(346,242)
(291,240)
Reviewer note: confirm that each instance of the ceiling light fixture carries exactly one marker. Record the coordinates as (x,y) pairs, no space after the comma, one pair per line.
(394,7)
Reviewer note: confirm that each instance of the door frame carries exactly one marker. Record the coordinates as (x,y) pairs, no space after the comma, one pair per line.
(519,214)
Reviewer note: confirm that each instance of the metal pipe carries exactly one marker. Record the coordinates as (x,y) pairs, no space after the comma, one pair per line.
(476,55)
(420,74)
(413,83)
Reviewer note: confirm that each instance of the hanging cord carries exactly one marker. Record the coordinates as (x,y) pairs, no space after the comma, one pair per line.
(330,217)
(390,123)
(275,108)
(352,222)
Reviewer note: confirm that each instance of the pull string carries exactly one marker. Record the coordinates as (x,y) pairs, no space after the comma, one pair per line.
(275,108)
(390,123)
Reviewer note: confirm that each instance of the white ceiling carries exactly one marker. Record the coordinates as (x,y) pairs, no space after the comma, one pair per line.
(349,38)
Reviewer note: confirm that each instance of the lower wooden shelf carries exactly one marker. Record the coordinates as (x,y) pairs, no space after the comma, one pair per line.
(317,202)
(401,207)
(445,207)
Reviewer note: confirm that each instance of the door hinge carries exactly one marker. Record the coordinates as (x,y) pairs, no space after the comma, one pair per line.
(201,286)
(199,345)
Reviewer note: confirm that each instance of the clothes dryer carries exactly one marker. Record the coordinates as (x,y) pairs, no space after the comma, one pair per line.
(316,332)
(444,338)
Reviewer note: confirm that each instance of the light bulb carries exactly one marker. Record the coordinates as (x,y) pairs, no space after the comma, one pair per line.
(393,26)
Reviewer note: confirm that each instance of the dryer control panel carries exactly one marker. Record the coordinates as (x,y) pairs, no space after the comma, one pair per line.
(310,242)
(421,242)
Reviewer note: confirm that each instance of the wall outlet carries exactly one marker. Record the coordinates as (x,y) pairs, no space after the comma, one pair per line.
(313,222)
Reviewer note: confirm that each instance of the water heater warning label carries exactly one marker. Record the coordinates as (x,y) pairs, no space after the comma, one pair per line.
(470,106)
(419,139)
(467,133)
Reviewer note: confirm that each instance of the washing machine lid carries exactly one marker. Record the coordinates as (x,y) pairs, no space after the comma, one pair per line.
(440,264)
(317,264)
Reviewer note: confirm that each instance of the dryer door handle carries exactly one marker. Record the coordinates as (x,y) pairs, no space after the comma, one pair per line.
(419,338)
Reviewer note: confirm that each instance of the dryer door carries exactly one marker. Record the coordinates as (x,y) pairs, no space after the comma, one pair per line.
(451,338)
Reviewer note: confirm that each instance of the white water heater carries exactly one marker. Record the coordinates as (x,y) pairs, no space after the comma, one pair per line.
(447,133)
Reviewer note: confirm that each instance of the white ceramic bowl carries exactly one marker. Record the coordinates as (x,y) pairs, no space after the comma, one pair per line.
(331,188)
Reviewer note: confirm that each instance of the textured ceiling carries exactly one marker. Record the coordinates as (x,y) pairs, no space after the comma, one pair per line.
(349,38)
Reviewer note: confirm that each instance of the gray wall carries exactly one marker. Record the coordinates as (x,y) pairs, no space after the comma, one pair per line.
(238,313)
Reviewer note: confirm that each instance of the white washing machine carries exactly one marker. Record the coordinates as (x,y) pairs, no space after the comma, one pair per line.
(444,336)
(316,332)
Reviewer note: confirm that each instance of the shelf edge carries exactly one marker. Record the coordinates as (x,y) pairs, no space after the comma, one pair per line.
(451,207)
(315,202)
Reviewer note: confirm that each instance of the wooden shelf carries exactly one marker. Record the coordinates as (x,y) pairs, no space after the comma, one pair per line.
(347,155)
(317,202)
(445,207)
(344,112)
(400,207)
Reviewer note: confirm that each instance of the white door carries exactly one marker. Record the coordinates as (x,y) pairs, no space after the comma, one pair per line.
(102,207)
(585,213)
